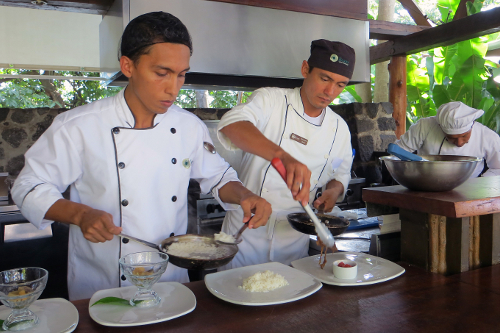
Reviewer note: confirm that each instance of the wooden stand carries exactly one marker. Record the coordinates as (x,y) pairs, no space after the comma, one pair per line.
(446,232)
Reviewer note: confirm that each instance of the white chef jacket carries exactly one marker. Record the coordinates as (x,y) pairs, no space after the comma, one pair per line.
(278,113)
(427,138)
(139,176)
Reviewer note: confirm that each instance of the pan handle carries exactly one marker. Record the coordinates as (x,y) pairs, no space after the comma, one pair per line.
(140,241)
(278,165)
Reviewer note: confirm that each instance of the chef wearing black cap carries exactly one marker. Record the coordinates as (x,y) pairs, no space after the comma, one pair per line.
(313,142)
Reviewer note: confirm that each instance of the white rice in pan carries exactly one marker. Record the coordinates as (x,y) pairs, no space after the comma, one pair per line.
(263,282)
(197,250)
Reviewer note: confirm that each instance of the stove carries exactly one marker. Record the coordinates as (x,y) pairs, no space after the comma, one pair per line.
(205,214)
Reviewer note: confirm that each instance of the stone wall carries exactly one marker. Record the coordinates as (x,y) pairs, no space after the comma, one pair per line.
(371,125)
(19,129)
(372,129)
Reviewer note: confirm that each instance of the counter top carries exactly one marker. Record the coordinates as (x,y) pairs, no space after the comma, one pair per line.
(417,301)
(477,196)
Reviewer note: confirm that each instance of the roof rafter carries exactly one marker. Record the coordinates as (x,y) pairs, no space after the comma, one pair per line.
(480,24)
(415,12)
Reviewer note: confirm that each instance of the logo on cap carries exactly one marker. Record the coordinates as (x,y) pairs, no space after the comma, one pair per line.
(334,58)
(343,61)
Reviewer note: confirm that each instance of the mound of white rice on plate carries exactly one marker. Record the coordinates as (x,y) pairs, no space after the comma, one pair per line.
(197,250)
(263,282)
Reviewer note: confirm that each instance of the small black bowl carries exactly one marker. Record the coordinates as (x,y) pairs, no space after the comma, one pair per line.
(303,223)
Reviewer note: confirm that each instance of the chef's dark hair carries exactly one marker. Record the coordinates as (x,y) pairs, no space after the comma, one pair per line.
(149,29)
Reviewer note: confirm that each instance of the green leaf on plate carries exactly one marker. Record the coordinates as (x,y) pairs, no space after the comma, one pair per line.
(113,301)
(19,323)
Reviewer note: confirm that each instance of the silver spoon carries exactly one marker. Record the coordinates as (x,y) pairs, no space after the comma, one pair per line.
(210,147)
(237,236)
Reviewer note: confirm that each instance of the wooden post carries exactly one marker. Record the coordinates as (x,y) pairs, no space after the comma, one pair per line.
(397,91)
(457,245)
(489,247)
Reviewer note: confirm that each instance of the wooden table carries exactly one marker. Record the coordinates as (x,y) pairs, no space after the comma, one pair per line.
(446,232)
(417,301)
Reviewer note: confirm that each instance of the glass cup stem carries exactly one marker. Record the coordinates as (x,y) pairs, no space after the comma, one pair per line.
(20,319)
(145,298)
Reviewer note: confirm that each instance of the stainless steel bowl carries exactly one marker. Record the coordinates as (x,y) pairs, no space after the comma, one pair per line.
(440,173)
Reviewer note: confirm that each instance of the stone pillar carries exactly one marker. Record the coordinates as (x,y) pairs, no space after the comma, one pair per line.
(372,129)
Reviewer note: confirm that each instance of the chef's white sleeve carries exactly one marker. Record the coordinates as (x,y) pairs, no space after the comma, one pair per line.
(257,110)
(210,170)
(491,140)
(413,139)
(51,165)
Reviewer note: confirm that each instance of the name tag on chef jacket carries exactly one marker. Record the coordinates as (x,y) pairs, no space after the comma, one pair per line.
(298,138)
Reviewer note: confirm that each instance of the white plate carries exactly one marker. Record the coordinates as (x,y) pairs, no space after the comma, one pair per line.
(56,315)
(371,269)
(225,285)
(176,300)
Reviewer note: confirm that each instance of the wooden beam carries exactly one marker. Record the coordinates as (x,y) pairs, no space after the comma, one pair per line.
(480,24)
(99,7)
(415,12)
(397,92)
(389,30)
(355,9)
(461,11)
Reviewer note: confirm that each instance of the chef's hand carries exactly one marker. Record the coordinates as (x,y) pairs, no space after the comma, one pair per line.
(260,208)
(298,177)
(235,192)
(97,226)
(329,196)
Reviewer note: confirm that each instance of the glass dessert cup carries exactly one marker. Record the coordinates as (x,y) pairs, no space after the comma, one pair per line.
(143,270)
(19,288)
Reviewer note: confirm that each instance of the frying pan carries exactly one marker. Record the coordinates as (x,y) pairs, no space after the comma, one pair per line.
(302,223)
(191,263)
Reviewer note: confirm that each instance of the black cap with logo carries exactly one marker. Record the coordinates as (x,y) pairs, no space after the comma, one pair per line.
(335,57)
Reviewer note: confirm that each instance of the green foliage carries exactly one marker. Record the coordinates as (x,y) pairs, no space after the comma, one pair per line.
(186,99)
(30,93)
(349,95)
(84,92)
(226,98)
(457,72)
(23,93)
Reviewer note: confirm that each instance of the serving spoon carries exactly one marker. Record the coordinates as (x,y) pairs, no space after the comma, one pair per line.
(403,155)
(237,236)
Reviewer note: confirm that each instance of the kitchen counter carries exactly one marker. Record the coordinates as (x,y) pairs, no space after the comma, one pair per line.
(446,232)
(417,301)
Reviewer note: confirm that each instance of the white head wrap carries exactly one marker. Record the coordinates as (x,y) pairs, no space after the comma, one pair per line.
(456,117)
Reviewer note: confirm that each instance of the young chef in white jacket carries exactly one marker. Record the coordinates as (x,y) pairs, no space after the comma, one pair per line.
(313,142)
(128,160)
(454,131)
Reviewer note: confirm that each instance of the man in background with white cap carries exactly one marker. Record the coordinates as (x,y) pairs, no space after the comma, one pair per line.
(313,142)
(454,131)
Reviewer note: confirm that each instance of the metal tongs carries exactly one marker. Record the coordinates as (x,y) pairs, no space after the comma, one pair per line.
(321,229)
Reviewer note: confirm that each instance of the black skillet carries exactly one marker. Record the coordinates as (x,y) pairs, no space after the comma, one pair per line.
(186,262)
(302,223)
